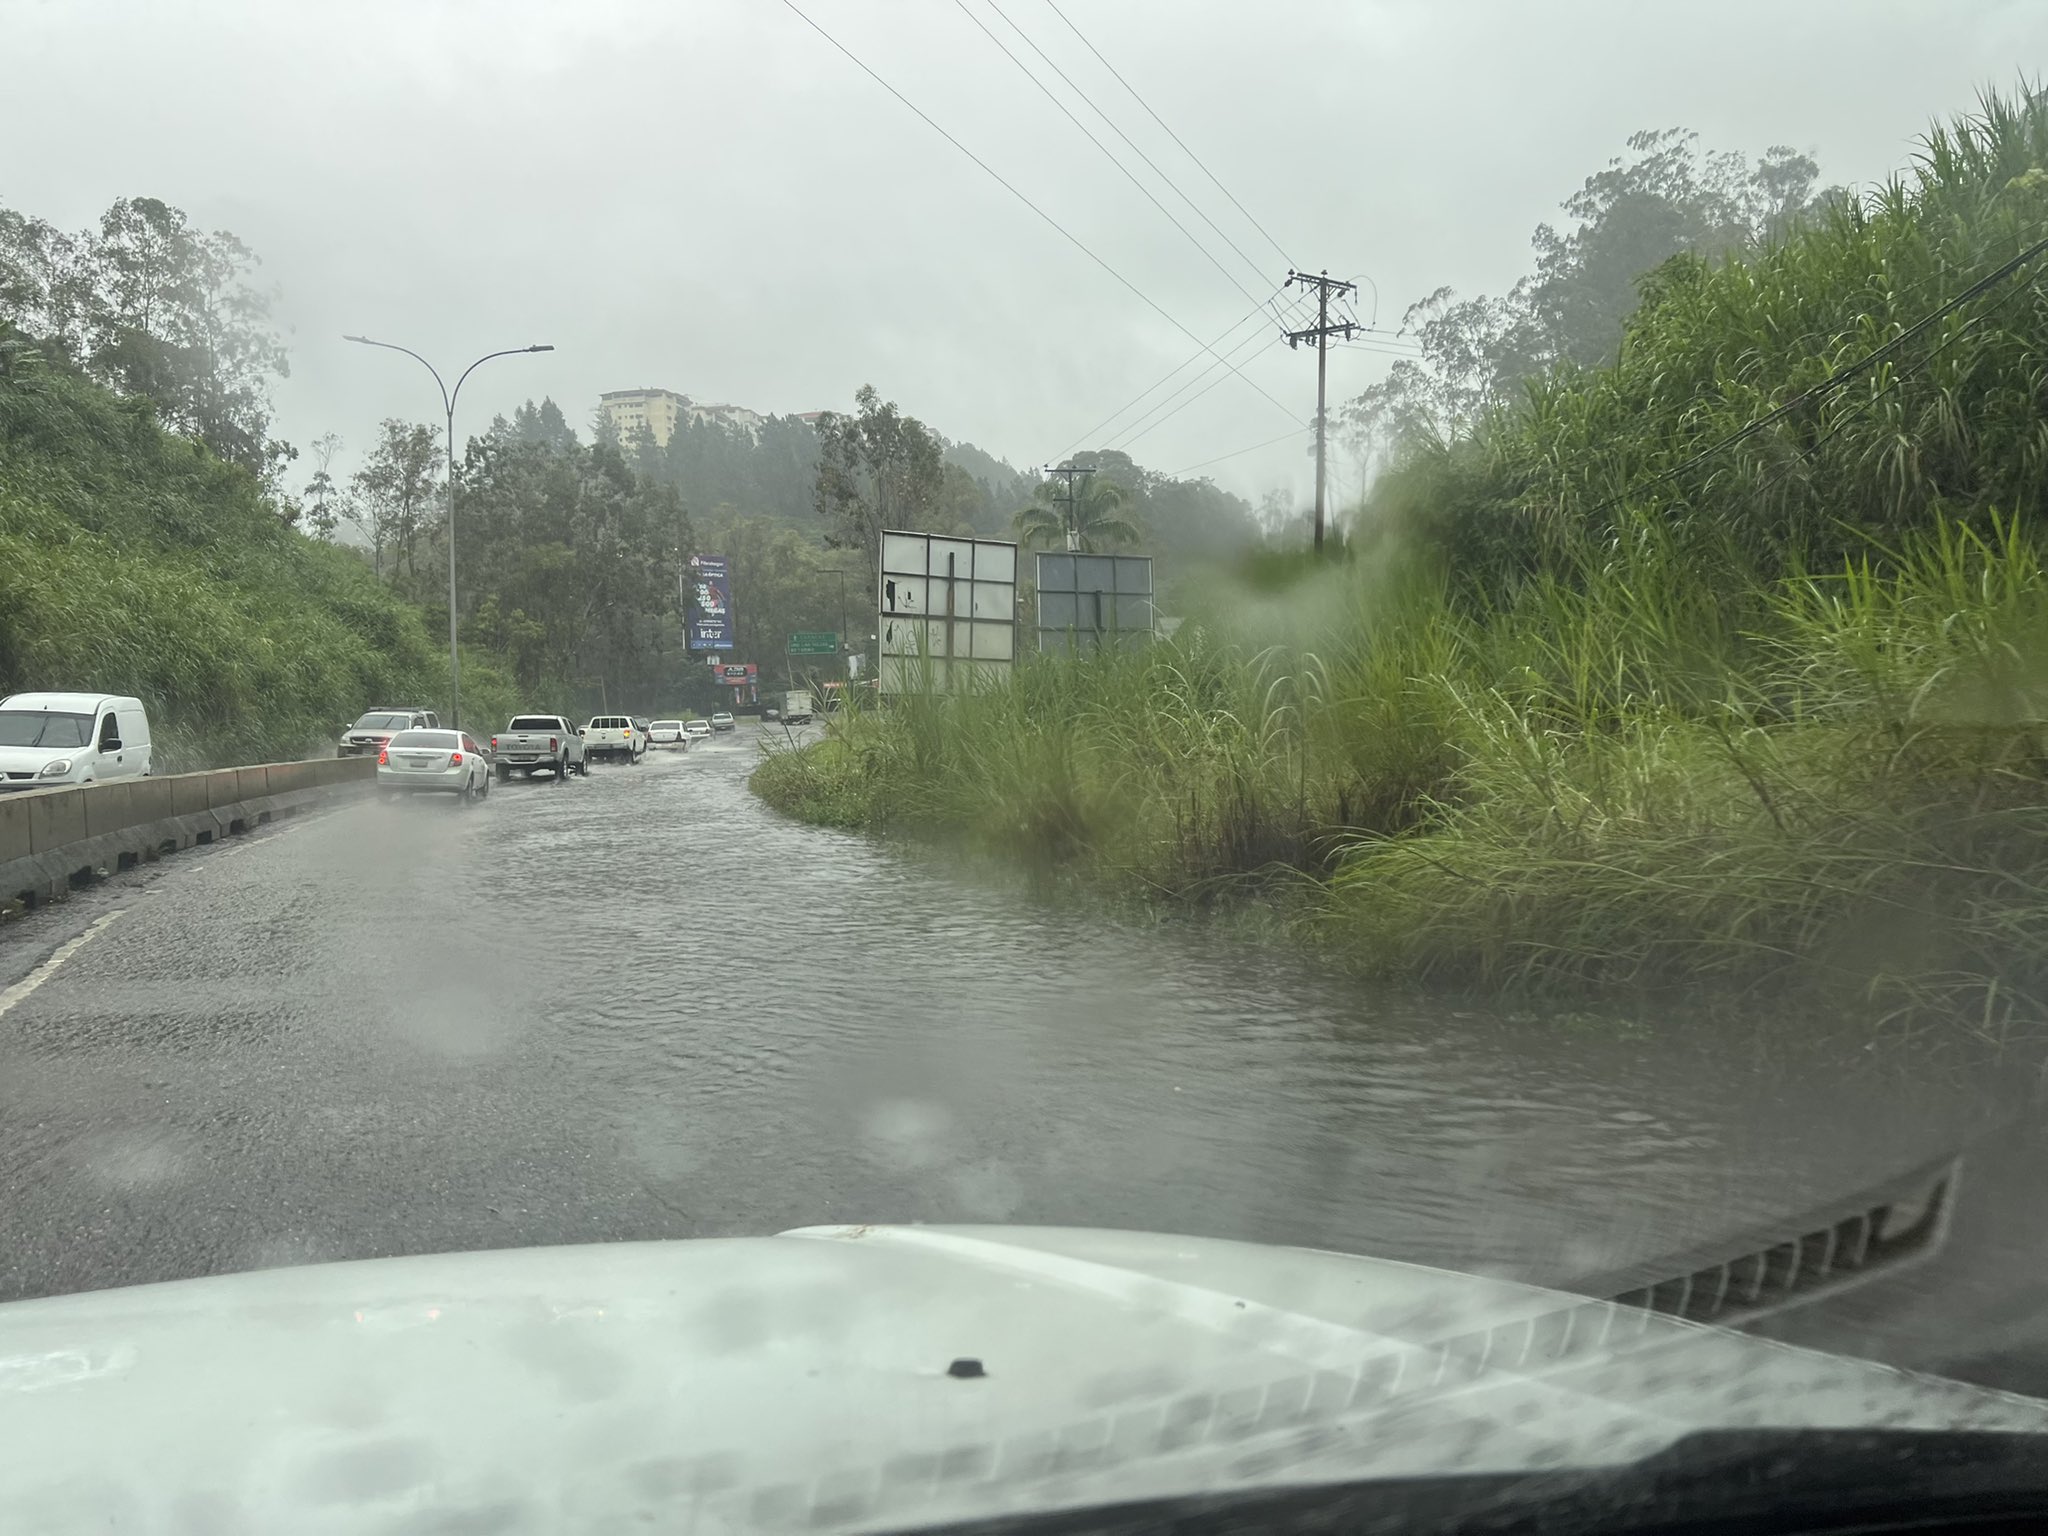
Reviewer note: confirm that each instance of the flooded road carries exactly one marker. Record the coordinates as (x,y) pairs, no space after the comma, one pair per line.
(640,1005)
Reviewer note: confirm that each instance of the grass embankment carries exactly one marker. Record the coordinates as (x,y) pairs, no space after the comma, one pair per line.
(1587,712)
(133,561)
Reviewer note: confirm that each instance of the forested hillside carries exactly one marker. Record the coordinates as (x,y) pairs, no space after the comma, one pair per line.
(135,561)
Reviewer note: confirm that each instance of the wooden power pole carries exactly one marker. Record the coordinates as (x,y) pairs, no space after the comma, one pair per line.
(1320,333)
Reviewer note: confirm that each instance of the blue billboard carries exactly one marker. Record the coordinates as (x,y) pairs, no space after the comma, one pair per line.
(709,589)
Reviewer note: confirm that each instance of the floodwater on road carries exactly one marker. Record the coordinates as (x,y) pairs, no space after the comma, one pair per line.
(641,1005)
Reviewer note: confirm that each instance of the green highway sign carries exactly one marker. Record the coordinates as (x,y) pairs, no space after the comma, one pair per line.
(814,643)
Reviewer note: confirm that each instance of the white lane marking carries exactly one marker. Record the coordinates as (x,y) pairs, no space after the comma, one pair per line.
(20,991)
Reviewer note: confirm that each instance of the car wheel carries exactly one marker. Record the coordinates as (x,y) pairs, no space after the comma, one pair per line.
(504,772)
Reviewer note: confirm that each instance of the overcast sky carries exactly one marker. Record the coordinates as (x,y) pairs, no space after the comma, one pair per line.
(707,196)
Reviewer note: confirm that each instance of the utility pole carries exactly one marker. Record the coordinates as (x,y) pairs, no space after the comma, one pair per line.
(1067,471)
(1320,333)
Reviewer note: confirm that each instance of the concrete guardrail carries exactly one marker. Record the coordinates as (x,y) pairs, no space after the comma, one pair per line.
(52,840)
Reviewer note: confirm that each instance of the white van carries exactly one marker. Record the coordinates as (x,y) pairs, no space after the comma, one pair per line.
(48,739)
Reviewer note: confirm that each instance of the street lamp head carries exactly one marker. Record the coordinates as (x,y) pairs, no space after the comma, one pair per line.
(360,340)
(540,349)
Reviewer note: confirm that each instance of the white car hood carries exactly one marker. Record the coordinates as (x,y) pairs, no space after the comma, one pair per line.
(32,759)
(802,1382)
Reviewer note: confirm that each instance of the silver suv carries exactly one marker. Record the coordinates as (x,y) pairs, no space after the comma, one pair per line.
(366,738)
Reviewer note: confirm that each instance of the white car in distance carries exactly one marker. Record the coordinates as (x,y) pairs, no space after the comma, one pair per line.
(697,730)
(666,733)
(613,736)
(722,721)
(445,762)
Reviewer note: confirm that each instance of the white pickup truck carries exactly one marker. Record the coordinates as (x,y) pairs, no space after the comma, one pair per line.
(533,742)
(614,736)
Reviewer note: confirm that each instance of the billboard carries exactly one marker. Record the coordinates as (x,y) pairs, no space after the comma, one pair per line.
(948,612)
(1093,602)
(737,675)
(707,588)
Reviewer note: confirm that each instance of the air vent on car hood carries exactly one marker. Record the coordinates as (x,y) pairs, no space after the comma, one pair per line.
(1880,1235)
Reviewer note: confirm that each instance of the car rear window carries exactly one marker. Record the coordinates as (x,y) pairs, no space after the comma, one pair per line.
(382,723)
(535,723)
(447,741)
(666,725)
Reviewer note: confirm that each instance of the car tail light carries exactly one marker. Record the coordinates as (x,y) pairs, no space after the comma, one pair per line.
(554,742)
(494,743)
(454,759)
(383,758)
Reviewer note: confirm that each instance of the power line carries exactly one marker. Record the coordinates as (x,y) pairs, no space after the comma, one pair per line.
(1366,346)
(1107,154)
(1135,146)
(1065,233)
(1833,381)
(1120,80)
(1206,347)
(1233,454)
(1145,428)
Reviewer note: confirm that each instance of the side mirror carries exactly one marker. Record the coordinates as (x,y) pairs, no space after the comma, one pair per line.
(579,730)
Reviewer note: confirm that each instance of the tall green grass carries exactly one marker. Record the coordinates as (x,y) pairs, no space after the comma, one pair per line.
(132,561)
(1776,720)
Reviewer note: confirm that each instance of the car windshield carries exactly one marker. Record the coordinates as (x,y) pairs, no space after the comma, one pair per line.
(1396,665)
(43,728)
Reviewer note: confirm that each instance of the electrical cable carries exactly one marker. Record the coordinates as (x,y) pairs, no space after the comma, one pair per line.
(1832,382)
(1096,108)
(1006,185)
(1144,427)
(1208,255)
(1120,80)
(1234,453)
(1207,347)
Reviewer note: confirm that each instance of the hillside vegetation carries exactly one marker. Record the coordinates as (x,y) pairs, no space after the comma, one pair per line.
(136,561)
(1724,663)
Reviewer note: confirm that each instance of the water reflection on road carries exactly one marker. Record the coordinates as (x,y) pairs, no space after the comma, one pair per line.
(641,1005)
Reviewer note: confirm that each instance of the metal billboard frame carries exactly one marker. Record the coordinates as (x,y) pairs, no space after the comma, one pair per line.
(946,611)
(1088,601)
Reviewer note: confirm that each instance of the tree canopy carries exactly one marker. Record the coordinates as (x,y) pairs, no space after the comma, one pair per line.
(153,308)
(1664,199)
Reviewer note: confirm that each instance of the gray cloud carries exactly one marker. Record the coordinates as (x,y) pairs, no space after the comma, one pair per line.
(709,197)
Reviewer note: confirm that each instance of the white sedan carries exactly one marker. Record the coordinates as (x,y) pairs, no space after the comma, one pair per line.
(697,730)
(446,761)
(666,733)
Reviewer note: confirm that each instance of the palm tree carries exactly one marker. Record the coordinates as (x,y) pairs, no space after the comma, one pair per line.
(1095,520)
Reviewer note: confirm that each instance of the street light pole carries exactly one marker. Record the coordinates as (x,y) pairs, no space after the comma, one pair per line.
(448,399)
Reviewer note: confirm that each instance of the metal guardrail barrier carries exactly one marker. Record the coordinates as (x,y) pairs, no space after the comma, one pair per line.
(52,839)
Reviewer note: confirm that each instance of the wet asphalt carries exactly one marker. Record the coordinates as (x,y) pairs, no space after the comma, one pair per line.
(641,1005)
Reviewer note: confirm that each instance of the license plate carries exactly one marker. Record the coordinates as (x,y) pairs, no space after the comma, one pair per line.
(420,762)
